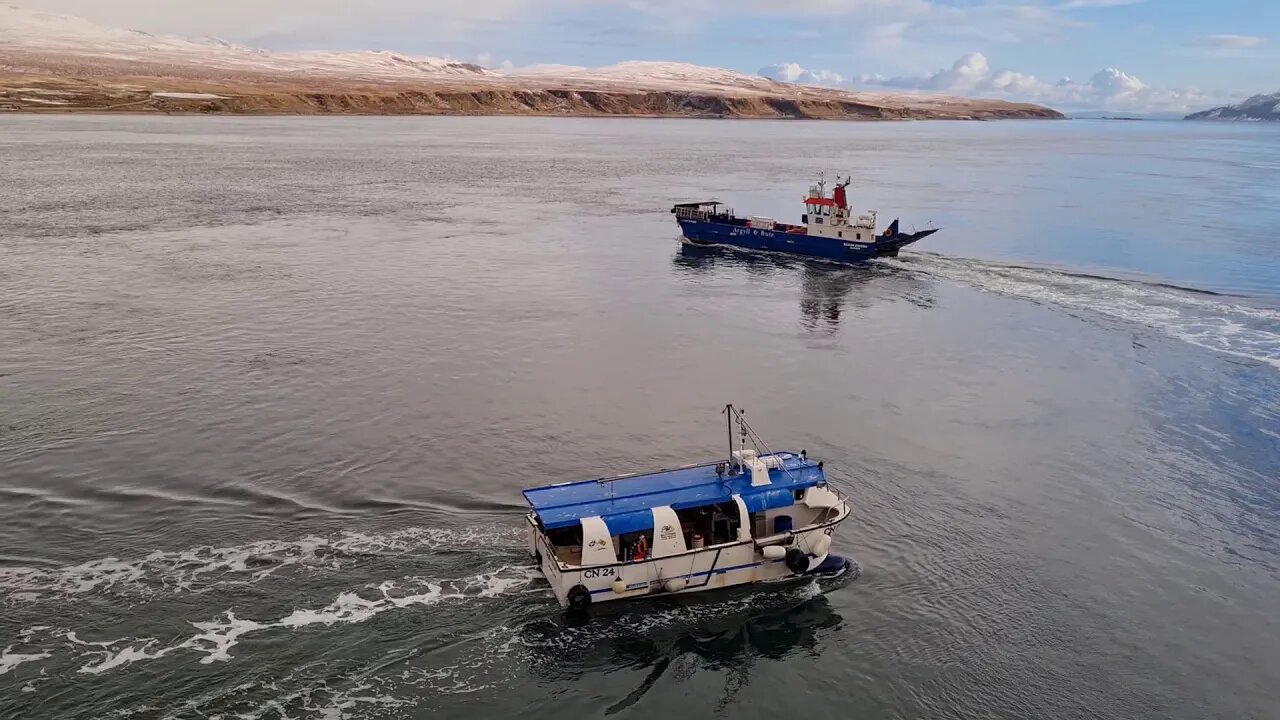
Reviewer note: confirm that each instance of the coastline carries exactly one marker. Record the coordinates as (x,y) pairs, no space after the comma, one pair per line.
(40,93)
(67,111)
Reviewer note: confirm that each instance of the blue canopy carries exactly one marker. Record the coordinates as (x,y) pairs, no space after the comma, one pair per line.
(624,503)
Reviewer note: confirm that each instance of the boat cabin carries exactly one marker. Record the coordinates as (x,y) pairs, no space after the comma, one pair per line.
(641,517)
(826,215)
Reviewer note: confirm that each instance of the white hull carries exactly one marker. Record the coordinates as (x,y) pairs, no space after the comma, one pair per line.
(730,564)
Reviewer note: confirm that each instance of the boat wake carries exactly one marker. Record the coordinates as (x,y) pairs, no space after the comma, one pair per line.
(535,639)
(1202,318)
(201,568)
(215,638)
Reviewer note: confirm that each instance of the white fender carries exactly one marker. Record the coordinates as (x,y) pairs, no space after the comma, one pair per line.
(821,545)
(619,587)
(774,552)
(675,585)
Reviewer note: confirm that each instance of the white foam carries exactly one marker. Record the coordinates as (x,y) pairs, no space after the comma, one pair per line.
(71,635)
(216,637)
(32,650)
(31,684)
(26,633)
(10,660)
(126,656)
(194,568)
(1212,323)
(351,608)
(319,699)
(485,667)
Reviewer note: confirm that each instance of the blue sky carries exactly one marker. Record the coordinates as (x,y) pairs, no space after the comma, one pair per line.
(1137,55)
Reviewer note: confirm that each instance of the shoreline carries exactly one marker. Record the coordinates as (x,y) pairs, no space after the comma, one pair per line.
(567,116)
(37,93)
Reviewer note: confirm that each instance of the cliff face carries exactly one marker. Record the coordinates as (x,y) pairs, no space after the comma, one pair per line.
(55,63)
(1258,107)
(53,94)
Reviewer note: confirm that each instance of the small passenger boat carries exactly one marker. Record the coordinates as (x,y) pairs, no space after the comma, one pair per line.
(755,516)
(828,230)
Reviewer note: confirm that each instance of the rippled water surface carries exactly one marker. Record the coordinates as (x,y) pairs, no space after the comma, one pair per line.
(269,390)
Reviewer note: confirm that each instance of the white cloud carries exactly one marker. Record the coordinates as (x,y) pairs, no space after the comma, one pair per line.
(793,73)
(1108,89)
(1113,83)
(1075,4)
(967,73)
(879,27)
(297,23)
(484,59)
(1231,41)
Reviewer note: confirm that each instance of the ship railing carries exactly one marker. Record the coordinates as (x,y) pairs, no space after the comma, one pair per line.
(691,214)
(840,495)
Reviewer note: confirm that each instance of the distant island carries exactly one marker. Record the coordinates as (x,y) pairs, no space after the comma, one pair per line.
(1256,108)
(59,63)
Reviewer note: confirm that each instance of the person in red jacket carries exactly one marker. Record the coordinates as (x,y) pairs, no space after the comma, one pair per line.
(641,548)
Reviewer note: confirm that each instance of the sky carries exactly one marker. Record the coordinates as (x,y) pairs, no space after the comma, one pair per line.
(1137,56)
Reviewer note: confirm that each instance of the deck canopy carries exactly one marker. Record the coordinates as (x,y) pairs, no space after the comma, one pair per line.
(624,502)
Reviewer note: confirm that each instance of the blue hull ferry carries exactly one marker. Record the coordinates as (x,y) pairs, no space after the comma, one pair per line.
(756,516)
(827,230)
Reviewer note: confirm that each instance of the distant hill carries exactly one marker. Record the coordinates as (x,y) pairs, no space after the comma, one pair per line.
(1258,107)
(1120,115)
(59,63)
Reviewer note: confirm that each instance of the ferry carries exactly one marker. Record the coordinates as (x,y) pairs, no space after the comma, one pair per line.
(755,516)
(828,230)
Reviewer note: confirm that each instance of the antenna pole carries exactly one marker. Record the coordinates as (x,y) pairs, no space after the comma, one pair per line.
(728,419)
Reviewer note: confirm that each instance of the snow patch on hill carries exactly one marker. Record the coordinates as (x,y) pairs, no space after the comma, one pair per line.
(1258,107)
(649,74)
(74,50)
(26,31)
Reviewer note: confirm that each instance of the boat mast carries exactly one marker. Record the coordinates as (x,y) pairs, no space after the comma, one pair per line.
(728,419)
